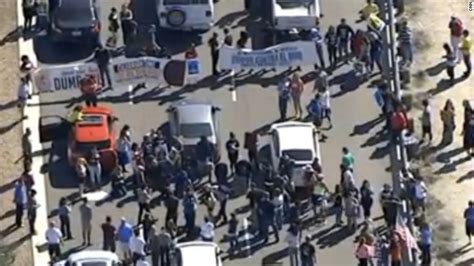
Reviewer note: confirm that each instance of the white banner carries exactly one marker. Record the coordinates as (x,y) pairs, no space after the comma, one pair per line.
(290,54)
(64,77)
(131,71)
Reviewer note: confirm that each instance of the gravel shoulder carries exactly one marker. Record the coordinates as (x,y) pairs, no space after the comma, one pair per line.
(16,241)
(450,174)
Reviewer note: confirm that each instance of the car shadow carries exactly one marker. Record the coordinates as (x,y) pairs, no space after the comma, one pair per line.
(61,175)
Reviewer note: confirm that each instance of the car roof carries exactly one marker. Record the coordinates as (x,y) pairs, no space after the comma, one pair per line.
(92,128)
(189,113)
(76,4)
(204,252)
(93,254)
(295,135)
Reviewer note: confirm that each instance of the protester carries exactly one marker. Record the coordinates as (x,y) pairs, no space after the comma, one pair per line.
(90,89)
(426,121)
(124,234)
(318,40)
(32,211)
(405,39)
(296,90)
(64,212)
(29,12)
(126,18)
(108,235)
(86,222)
(213,44)
(364,253)
(102,57)
(331,40)
(283,96)
(23,94)
(469,220)
(456,29)
(232,233)
(207,230)
(137,246)
(468,129)
(366,199)
(54,239)
(232,147)
(21,201)
(344,34)
(293,240)
(308,252)
(189,209)
(466,47)
(451,61)
(143,200)
(426,239)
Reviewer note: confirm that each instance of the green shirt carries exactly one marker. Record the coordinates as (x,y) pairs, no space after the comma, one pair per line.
(348,160)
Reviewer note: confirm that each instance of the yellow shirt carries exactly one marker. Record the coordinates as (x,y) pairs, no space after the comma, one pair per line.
(369,9)
(75,116)
(375,22)
(466,45)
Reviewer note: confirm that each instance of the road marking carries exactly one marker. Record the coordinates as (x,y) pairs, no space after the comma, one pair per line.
(234,95)
(247,248)
(32,110)
(130,94)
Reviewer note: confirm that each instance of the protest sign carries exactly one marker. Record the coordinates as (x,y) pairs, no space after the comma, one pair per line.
(290,54)
(193,70)
(131,71)
(64,77)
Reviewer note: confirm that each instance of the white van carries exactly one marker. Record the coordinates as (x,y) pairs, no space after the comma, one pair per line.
(186,15)
(298,14)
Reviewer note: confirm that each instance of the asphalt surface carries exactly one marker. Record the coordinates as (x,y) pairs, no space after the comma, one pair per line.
(354,115)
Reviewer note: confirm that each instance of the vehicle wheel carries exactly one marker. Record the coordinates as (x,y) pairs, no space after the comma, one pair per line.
(176,18)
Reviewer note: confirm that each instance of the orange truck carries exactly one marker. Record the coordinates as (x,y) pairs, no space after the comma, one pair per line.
(96,129)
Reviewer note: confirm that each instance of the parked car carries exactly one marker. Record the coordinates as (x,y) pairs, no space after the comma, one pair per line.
(206,253)
(91,258)
(186,15)
(95,130)
(298,140)
(191,120)
(74,21)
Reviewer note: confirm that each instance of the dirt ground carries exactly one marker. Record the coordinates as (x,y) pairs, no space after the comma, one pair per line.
(16,241)
(449,173)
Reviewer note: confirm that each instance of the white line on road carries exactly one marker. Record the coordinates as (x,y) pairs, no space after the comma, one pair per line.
(234,95)
(130,94)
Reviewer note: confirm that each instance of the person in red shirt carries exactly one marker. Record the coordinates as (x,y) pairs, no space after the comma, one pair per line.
(191,53)
(399,121)
(456,28)
(357,43)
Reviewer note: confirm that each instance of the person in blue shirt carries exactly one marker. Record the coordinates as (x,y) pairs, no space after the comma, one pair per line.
(124,233)
(469,219)
(182,181)
(267,219)
(426,238)
(315,111)
(21,200)
(189,209)
(283,96)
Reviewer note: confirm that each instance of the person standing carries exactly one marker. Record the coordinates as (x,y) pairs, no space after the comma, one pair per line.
(90,89)
(405,38)
(86,221)
(102,57)
(124,233)
(64,212)
(32,211)
(267,219)
(456,28)
(296,89)
(222,195)
(366,199)
(29,11)
(143,200)
(81,173)
(451,60)
(283,96)
(337,205)
(21,201)
(189,209)
(426,121)
(164,243)
(318,39)
(447,115)
(108,235)
(331,41)
(466,47)
(213,44)
(426,239)
(114,24)
(232,146)
(94,168)
(347,158)
(54,239)
(325,99)
(344,34)
(293,240)
(126,18)
(363,252)
(124,147)
(278,201)
(172,205)
(137,246)
(469,220)
(468,128)
(232,233)
(207,230)
(23,94)
(228,39)
(205,156)
(308,252)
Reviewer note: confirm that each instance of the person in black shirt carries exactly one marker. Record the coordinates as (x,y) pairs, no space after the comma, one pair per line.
(232,147)
(344,34)
(102,57)
(331,42)
(232,233)
(308,253)
(172,204)
(214,46)
(204,156)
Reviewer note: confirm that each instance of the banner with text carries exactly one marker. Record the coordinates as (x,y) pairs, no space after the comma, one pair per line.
(64,77)
(290,54)
(131,71)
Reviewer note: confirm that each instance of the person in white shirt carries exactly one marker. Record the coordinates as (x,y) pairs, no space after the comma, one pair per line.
(142,262)
(23,92)
(293,240)
(421,192)
(207,230)
(326,104)
(54,239)
(137,246)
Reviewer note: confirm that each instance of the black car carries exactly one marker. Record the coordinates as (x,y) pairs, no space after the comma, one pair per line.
(74,21)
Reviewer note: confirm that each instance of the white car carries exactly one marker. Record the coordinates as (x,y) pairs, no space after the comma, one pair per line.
(299,14)
(91,258)
(186,15)
(198,253)
(297,140)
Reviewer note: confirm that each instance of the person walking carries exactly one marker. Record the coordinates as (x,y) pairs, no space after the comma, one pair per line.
(296,90)
(102,56)
(283,96)
(108,235)
(308,253)
(466,47)
(32,211)
(451,61)
(64,211)
(213,44)
(344,34)
(293,240)
(143,200)
(366,199)
(222,195)
(456,28)
(137,246)
(54,239)
(90,89)
(469,220)
(232,146)
(189,209)
(426,121)
(21,201)
(207,230)
(337,205)
(124,233)
(331,40)
(448,115)
(85,211)
(278,201)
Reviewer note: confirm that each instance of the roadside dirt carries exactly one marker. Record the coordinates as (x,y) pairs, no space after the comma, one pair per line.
(15,242)
(447,170)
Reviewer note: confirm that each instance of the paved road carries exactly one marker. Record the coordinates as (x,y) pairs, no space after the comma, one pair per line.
(256,106)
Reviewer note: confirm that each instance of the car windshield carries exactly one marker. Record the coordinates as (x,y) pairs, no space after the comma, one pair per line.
(299,155)
(77,14)
(195,130)
(86,148)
